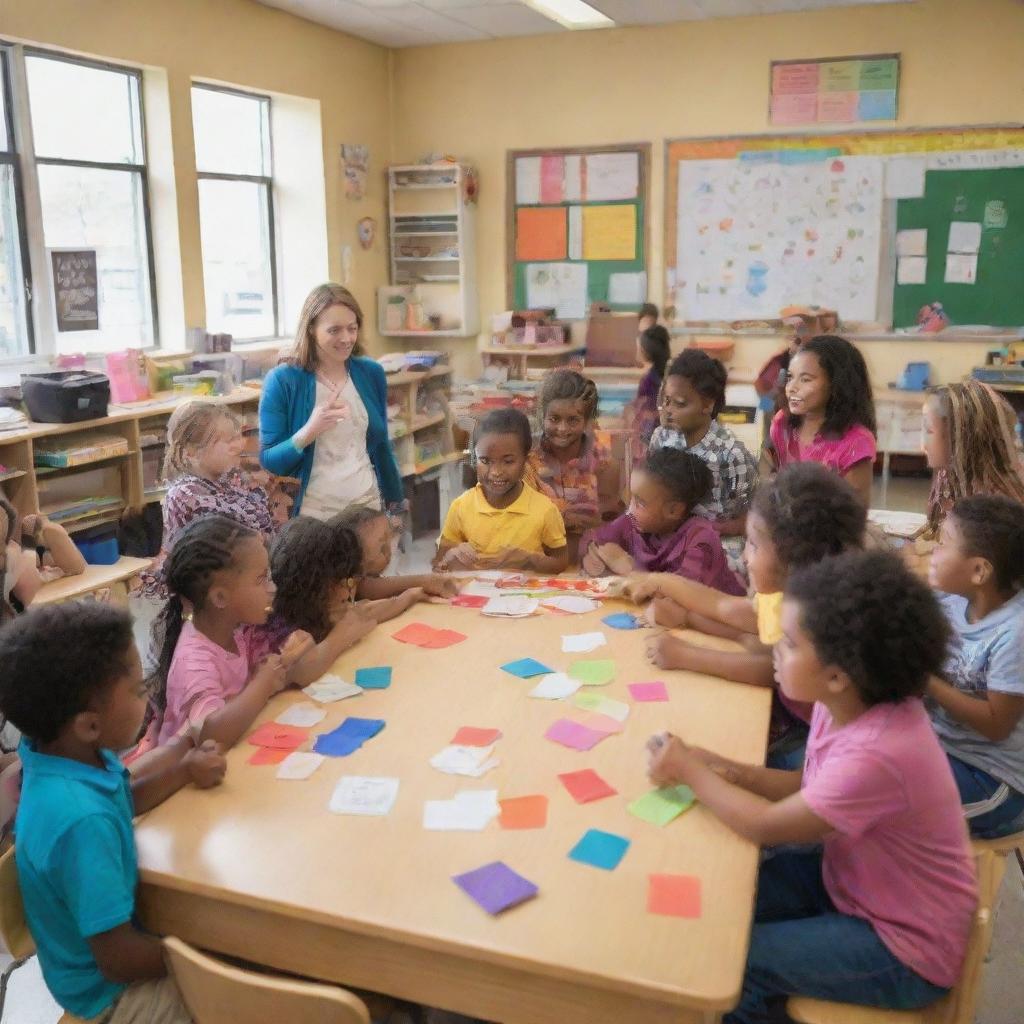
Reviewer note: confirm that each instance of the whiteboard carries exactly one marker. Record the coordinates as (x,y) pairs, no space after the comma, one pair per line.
(755,235)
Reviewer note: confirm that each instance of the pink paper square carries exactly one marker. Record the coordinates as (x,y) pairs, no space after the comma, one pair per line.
(647,691)
(572,734)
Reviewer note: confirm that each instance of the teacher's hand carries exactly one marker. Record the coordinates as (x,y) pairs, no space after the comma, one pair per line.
(325,415)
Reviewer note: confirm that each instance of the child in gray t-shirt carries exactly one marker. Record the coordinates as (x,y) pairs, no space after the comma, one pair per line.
(978,711)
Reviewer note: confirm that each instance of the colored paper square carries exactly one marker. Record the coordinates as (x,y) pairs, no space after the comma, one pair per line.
(673,895)
(798,108)
(648,691)
(552,178)
(541,233)
(269,755)
(572,734)
(364,727)
(469,601)
(609,232)
(526,668)
(470,736)
(879,74)
(794,79)
(348,737)
(660,806)
(586,785)
(283,737)
(877,105)
(839,76)
(443,638)
(621,620)
(415,633)
(595,672)
(496,887)
(838,106)
(603,723)
(524,812)
(378,678)
(601,849)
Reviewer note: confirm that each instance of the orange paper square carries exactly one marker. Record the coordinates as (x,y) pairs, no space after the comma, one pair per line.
(269,755)
(541,233)
(284,737)
(524,812)
(415,633)
(673,895)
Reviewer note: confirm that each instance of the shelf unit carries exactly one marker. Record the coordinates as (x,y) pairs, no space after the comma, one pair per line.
(518,357)
(432,253)
(424,440)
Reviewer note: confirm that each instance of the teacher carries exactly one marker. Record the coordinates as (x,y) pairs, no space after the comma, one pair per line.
(323,413)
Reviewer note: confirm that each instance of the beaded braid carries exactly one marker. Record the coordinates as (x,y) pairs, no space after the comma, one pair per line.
(564,384)
(191,425)
(984,456)
(204,547)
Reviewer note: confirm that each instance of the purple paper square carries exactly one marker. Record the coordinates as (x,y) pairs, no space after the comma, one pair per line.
(573,734)
(496,887)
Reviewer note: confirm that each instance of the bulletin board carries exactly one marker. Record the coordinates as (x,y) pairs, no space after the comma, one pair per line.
(754,223)
(577,228)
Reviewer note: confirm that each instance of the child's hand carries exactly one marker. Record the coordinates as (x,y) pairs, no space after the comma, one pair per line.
(354,626)
(440,586)
(205,765)
(663,611)
(462,556)
(298,644)
(642,587)
(669,760)
(508,558)
(271,674)
(592,564)
(616,559)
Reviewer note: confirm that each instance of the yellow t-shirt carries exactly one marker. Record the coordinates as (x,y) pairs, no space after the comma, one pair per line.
(531,522)
(769,617)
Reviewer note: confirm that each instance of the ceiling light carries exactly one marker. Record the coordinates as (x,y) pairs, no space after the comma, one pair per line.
(571,13)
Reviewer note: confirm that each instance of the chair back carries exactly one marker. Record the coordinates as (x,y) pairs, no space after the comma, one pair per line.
(13,926)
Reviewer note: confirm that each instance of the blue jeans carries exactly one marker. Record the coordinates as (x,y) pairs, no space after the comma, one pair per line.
(801,945)
(991,807)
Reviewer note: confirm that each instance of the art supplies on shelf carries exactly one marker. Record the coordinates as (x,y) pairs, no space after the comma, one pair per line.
(78,450)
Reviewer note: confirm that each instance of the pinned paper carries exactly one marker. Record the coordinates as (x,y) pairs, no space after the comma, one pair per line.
(648,691)
(303,716)
(555,686)
(467,811)
(364,795)
(495,887)
(582,643)
(471,736)
(378,678)
(526,668)
(299,765)
(996,215)
(283,737)
(961,268)
(528,180)
(593,673)
(904,177)
(601,849)
(912,242)
(572,734)
(269,755)
(616,709)
(561,286)
(586,786)
(964,236)
(330,688)
(541,233)
(523,812)
(627,289)
(609,232)
(622,620)
(612,176)
(673,895)
(660,806)
(911,270)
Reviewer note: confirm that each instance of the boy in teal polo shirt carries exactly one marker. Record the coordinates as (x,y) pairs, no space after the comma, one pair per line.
(72,683)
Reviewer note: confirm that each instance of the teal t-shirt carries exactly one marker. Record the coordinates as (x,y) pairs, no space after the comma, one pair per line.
(77,869)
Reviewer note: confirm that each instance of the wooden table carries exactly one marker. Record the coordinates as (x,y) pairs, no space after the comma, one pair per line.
(95,577)
(260,869)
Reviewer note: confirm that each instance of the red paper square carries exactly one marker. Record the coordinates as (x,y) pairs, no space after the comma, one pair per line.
(443,638)
(673,895)
(586,785)
(269,755)
(415,633)
(283,737)
(469,601)
(471,736)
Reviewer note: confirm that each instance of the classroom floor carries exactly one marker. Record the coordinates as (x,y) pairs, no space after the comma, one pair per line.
(28,1001)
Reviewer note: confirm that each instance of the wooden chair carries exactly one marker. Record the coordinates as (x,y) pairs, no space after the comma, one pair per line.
(217,993)
(955,1008)
(14,929)
(1003,847)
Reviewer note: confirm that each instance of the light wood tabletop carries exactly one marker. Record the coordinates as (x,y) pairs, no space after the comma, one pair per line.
(260,868)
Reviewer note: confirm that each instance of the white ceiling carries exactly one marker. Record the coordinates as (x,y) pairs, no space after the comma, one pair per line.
(424,22)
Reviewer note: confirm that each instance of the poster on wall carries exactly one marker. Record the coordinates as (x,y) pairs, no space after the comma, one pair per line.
(75,289)
(355,162)
(835,90)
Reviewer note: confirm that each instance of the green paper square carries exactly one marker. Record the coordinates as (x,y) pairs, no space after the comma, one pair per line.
(598,672)
(660,806)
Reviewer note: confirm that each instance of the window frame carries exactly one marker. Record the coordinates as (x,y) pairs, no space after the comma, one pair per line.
(267,181)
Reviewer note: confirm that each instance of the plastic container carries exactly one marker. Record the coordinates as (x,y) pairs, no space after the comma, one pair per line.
(66,396)
(100,550)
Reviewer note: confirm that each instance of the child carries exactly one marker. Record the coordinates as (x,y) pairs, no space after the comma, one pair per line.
(209,678)
(970,446)
(502,523)
(831,414)
(659,533)
(977,707)
(888,899)
(569,464)
(647,317)
(202,465)
(803,323)
(653,353)
(72,682)
(374,531)
(691,399)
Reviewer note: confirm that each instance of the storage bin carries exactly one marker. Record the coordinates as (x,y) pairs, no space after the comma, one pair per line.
(66,396)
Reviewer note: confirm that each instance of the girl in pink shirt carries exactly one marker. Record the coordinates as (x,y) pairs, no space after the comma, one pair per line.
(879,913)
(831,413)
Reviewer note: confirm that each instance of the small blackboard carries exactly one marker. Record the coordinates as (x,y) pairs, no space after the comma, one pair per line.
(75,289)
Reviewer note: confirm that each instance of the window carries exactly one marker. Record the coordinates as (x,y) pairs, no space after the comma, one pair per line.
(15,287)
(236,211)
(90,165)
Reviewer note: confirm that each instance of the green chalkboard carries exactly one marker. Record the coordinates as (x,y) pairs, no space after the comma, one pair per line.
(992,198)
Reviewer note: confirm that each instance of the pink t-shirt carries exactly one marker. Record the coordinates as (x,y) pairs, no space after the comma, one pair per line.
(899,856)
(203,677)
(837,453)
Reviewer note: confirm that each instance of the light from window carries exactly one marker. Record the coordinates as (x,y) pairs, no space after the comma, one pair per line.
(14,340)
(232,132)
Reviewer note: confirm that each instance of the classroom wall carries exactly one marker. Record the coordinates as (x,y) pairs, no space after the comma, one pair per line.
(961,64)
(241,43)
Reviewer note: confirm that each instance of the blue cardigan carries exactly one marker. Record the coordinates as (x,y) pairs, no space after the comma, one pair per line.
(289,394)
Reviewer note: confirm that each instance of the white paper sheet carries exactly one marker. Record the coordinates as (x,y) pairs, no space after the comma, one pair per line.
(581,643)
(964,236)
(627,289)
(911,270)
(573,178)
(904,177)
(575,232)
(612,176)
(513,606)
(461,760)
(559,285)
(304,716)
(298,765)
(961,268)
(912,242)
(555,686)
(359,794)
(468,811)
(572,604)
(330,688)
(528,180)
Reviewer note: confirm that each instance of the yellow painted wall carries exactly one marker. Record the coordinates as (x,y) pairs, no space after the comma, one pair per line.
(961,64)
(241,43)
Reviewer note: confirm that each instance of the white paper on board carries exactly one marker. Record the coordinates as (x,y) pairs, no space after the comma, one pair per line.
(904,177)
(527,180)
(612,176)
(961,268)
(911,270)
(912,242)
(627,289)
(964,236)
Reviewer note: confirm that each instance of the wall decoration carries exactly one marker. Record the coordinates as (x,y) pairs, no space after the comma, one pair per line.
(833,90)
(75,289)
(355,162)
(367,231)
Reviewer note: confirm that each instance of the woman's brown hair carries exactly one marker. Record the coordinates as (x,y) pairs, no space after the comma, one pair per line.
(323,296)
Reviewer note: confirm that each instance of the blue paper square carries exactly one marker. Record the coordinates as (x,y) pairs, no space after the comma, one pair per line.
(374,678)
(348,737)
(602,849)
(526,667)
(621,620)
(877,105)
(365,728)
